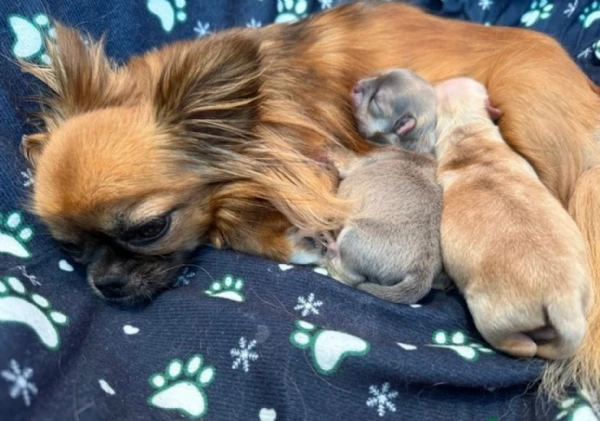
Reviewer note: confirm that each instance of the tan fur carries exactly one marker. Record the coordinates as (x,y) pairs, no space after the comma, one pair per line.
(512,249)
(244,119)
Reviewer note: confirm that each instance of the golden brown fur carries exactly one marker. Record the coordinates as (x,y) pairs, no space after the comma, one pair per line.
(512,249)
(236,128)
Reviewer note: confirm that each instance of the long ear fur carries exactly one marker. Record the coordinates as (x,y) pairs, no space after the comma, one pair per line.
(209,93)
(212,109)
(80,78)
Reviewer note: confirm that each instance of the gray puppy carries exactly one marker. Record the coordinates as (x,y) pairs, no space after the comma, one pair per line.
(397,108)
(390,247)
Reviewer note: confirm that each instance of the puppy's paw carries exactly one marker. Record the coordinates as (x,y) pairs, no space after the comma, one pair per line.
(306,247)
(545,323)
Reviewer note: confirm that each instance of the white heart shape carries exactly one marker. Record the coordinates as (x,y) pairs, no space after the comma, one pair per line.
(267,414)
(321,271)
(64,265)
(285,267)
(130,330)
(106,387)
(407,347)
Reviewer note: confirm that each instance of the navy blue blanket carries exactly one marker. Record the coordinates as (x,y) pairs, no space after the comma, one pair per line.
(239,338)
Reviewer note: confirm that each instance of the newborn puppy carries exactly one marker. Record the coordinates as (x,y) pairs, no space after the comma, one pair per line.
(512,249)
(390,247)
(397,108)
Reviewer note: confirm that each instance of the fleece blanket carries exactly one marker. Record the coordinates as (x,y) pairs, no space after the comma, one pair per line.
(239,337)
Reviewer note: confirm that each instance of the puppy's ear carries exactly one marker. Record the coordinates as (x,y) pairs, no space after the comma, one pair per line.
(80,77)
(209,90)
(32,146)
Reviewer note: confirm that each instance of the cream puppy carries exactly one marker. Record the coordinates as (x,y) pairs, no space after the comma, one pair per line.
(512,249)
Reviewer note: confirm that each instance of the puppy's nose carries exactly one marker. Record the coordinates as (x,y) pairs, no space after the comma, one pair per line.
(110,286)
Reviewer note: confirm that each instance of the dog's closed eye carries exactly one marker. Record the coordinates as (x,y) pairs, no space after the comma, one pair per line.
(148,232)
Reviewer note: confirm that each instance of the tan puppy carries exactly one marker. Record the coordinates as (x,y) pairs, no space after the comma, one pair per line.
(512,249)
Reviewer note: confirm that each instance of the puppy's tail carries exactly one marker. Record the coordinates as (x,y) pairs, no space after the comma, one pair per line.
(584,368)
(414,287)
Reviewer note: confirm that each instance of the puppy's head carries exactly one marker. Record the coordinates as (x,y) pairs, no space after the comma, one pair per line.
(462,99)
(396,108)
(135,162)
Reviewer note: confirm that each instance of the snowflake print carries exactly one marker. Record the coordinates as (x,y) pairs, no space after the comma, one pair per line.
(202,29)
(585,53)
(244,354)
(382,399)
(308,305)
(185,278)
(22,386)
(254,23)
(28,176)
(486,4)
(32,278)
(326,4)
(571,8)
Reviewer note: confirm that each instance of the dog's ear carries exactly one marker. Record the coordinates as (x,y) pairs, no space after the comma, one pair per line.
(80,77)
(209,89)
(32,146)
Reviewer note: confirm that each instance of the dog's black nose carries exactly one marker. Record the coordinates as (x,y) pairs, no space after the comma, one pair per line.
(110,286)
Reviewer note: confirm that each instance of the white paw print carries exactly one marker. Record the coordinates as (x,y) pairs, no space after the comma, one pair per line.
(538,10)
(289,11)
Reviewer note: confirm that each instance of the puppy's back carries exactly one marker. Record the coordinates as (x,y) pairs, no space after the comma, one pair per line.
(394,236)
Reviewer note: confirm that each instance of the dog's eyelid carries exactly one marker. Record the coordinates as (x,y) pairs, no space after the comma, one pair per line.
(147,232)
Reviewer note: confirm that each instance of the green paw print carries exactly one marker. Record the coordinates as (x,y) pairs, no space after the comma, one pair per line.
(14,235)
(229,288)
(590,15)
(328,348)
(181,388)
(577,408)
(29,37)
(538,10)
(289,11)
(168,12)
(17,305)
(458,342)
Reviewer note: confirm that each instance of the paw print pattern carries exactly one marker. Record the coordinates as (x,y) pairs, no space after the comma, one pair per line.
(29,37)
(168,12)
(14,236)
(590,15)
(578,408)
(17,305)
(458,342)
(328,348)
(228,288)
(181,388)
(538,10)
(289,11)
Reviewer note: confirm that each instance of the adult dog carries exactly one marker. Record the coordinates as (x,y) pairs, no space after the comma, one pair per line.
(224,139)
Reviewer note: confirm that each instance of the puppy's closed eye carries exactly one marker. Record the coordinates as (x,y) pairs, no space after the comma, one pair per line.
(148,232)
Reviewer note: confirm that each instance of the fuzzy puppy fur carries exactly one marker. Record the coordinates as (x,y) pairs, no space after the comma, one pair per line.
(390,246)
(512,249)
(224,139)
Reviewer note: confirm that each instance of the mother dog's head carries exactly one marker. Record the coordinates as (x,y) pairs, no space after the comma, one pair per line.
(137,165)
